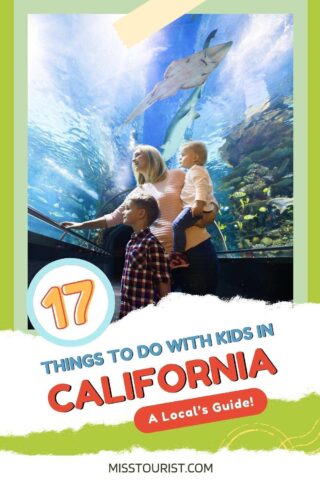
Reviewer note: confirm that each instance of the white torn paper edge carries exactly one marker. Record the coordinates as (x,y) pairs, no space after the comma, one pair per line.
(293,349)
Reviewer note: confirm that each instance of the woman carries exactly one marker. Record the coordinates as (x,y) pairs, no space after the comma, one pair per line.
(153,177)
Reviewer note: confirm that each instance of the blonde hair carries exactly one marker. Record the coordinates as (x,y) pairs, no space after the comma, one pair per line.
(157,168)
(149,204)
(199,149)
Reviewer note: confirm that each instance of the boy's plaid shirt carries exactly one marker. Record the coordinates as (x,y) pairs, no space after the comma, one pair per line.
(145,266)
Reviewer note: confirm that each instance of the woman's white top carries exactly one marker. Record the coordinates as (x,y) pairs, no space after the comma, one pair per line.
(167,193)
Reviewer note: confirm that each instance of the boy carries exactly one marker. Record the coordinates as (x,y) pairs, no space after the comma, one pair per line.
(145,276)
(196,195)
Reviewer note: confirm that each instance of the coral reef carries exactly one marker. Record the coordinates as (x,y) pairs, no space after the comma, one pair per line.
(260,185)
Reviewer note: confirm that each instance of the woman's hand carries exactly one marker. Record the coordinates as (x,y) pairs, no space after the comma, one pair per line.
(207,218)
(73,225)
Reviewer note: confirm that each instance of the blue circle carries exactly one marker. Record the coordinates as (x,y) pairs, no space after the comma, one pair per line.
(106,284)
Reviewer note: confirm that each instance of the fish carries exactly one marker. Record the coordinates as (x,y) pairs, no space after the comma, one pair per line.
(283,167)
(182,74)
(181,121)
(35,189)
(57,214)
(281,203)
(184,117)
(249,217)
(42,199)
(238,194)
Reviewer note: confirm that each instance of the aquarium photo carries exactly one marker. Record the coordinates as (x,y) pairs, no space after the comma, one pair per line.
(226,80)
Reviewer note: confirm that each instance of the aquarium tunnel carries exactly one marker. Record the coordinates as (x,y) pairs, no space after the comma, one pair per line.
(225,80)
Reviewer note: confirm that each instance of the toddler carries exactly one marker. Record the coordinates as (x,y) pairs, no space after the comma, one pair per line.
(196,195)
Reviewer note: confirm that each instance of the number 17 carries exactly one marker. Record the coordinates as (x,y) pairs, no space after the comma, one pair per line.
(54,299)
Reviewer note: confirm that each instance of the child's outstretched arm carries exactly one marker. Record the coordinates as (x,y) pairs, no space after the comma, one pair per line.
(95,223)
(109,220)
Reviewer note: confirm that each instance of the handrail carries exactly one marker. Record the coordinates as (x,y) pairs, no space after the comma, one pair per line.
(221,236)
(35,213)
(102,210)
(48,220)
(253,250)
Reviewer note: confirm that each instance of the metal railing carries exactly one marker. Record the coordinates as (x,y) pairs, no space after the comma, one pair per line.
(103,210)
(66,231)
(255,250)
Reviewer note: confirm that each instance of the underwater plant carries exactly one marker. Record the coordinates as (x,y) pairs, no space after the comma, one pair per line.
(260,184)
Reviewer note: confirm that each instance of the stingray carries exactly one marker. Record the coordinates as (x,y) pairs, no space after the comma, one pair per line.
(182,74)
(281,203)
(184,117)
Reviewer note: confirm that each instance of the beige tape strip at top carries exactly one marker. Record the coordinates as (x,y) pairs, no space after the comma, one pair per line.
(151,17)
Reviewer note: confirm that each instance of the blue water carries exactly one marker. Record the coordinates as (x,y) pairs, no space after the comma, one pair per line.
(83,84)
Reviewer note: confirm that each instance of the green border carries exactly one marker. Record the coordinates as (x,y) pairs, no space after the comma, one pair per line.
(23,7)
(6,159)
(300,187)
(294,418)
(314,154)
(291,426)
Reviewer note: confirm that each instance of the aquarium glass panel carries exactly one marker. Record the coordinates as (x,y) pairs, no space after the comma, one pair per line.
(225,80)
